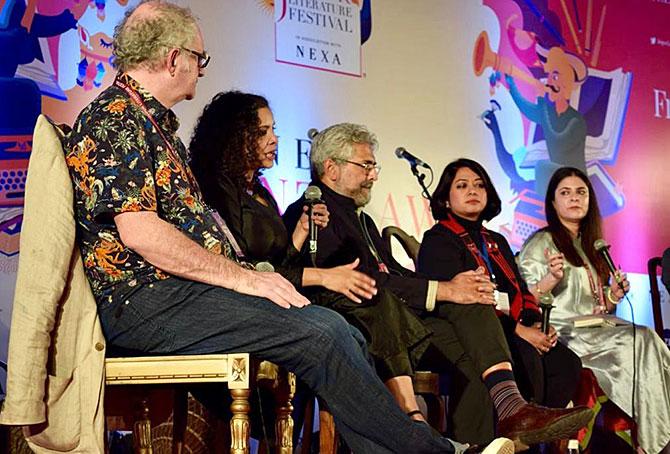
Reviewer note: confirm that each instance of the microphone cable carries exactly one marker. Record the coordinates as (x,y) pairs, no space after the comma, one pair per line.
(424,191)
(632,317)
(602,247)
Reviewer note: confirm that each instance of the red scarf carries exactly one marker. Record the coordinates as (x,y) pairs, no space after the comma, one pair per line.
(521,300)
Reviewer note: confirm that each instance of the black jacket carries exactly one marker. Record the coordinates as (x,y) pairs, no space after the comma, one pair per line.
(343,240)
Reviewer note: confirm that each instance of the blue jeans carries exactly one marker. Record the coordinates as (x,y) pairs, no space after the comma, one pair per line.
(177,316)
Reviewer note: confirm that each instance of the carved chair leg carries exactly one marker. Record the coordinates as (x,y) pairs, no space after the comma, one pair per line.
(327,434)
(179,419)
(284,422)
(239,424)
(142,430)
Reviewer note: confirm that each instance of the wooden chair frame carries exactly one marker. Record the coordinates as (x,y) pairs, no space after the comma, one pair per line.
(237,370)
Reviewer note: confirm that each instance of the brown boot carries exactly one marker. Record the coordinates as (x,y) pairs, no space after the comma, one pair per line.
(534,424)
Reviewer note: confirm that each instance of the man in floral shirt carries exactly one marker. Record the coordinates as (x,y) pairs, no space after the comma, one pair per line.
(121,163)
(163,272)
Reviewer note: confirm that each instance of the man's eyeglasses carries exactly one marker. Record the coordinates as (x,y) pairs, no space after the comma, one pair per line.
(367,166)
(203,57)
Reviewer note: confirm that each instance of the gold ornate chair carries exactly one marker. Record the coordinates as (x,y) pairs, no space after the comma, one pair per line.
(57,365)
(237,370)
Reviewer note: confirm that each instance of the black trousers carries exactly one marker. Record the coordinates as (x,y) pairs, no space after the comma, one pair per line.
(467,340)
(550,379)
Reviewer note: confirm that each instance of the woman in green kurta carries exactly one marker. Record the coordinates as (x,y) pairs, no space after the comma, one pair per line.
(561,259)
(233,142)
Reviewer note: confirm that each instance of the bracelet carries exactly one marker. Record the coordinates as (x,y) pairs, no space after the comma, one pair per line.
(609,297)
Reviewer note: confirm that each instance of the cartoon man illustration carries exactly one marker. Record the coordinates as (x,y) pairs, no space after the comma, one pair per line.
(545,102)
(563,126)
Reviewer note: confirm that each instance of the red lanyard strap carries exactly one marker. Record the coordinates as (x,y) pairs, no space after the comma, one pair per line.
(184,170)
(490,245)
(139,102)
(494,252)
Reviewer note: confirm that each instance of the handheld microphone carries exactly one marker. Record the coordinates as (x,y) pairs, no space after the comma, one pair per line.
(312,197)
(311,133)
(264,267)
(603,248)
(546,306)
(401,153)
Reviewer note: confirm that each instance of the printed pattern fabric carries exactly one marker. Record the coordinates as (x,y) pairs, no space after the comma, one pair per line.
(120,163)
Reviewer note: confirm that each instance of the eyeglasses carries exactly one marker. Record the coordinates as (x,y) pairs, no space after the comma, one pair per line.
(203,57)
(367,166)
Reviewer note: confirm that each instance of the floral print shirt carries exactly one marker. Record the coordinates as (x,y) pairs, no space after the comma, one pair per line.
(119,162)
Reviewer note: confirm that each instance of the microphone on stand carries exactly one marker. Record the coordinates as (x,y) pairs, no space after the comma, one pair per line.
(415,162)
(402,153)
(602,247)
(312,197)
(311,133)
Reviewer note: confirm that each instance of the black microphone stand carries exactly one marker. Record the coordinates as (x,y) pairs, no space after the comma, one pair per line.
(420,177)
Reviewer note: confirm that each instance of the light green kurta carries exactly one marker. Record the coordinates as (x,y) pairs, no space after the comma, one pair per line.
(608,351)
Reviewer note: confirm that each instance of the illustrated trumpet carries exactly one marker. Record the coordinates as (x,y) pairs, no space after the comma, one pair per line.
(483,57)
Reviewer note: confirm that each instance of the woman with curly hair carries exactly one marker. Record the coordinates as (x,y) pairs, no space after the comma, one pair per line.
(233,142)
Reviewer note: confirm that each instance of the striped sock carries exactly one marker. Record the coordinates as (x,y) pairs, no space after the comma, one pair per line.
(504,392)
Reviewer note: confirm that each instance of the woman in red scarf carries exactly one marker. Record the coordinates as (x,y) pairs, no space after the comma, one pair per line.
(546,370)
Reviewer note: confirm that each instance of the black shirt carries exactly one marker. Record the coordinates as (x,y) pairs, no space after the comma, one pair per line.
(351,235)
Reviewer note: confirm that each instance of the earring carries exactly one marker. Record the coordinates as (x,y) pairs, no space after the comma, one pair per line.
(446,204)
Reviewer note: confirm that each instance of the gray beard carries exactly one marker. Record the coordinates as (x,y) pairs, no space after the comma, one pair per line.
(362,199)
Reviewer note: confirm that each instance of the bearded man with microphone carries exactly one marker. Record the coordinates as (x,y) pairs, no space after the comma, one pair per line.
(345,169)
(569,260)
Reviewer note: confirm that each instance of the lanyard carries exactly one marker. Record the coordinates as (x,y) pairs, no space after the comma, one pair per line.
(596,288)
(380,264)
(183,170)
(485,256)
(490,250)
(594,283)
(229,235)
(139,102)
